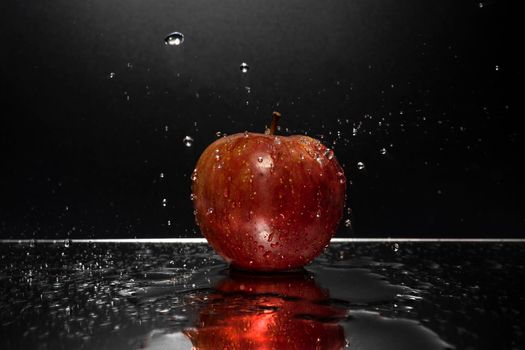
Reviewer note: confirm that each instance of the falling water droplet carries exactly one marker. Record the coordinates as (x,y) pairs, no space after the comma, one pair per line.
(111,75)
(164,202)
(480,5)
(382,151)
(360,165)
(395,247)
(188,141)
(348,223)
(244,67)
(161,175)
(218,134)
(174,39)
(497,68)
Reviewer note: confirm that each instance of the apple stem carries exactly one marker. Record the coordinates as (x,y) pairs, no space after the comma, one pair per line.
(275,119)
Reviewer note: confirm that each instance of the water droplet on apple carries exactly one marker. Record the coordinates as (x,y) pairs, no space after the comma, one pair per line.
(193,196)
(260,159)
(174,39)
(267,254)
(194,175)
(209,211)
(329,154)
(244,67)
(188,141)
(277,140)
(360,165)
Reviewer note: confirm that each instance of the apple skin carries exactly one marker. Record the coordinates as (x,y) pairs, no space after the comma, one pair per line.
(257,311)
(268,202)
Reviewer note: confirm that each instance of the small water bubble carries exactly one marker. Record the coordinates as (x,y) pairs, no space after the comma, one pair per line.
(174,39)
(244,67)
(188,141)
(382,151)
(360,165)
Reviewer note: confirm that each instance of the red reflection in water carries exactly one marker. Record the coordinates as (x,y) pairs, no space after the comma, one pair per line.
(268,312)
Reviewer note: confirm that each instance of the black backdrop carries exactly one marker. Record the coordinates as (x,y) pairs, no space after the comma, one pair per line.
(97,107)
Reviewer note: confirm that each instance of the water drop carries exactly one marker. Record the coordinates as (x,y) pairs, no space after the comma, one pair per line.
(244,67)
(209,211)
(161,175)
(329,154)
(164,202)
(248,89)
(193,196)
(260,159)
(194,175)
(218,134)
(497,68)
(480,5)
(395,247)
(360,165)
(188,141)
(174,39)
(348,223)
(382,151)
(111,75)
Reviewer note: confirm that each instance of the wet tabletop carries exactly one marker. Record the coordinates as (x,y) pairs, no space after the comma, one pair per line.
(177,296)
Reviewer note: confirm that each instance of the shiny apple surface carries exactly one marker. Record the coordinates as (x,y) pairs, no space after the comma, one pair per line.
(267,202)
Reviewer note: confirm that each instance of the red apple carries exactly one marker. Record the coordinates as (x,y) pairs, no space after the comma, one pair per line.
(277,311)
(267,202)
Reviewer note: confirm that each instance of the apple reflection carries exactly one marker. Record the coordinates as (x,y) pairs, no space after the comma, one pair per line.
(262,311)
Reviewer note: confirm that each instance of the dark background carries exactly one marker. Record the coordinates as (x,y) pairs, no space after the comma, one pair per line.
(429,81)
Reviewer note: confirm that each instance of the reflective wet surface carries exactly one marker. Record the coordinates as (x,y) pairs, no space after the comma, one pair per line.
(178,296)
